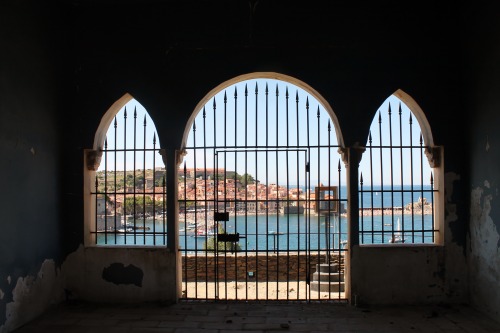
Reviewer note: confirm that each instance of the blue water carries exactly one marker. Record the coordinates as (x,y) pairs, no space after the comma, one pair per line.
(281,232)
(278,232)
(293,232)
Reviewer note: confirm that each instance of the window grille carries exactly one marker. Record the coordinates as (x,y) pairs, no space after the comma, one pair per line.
(397,190)
(262,198)
(130,189)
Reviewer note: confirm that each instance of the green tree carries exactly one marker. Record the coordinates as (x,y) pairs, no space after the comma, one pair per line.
(141,202)
(246,179)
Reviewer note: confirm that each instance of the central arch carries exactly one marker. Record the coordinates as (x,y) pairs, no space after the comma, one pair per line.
(261,194)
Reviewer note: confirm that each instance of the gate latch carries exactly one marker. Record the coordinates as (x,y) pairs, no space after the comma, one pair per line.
(228,237)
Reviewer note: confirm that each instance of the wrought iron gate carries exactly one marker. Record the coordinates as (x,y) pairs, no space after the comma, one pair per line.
(263,220)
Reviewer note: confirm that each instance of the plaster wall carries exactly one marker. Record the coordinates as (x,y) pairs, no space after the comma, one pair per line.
(483,84)
(32,63)
(484,256)
(413,274)
(403,275)
(117,274)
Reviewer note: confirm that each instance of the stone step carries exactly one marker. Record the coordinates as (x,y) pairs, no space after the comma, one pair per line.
(328,277)
(333,287)
(327,268)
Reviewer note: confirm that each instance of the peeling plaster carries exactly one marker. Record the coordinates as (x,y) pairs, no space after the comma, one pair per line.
(32,295)
(118,273)
(485,238)
(484,259)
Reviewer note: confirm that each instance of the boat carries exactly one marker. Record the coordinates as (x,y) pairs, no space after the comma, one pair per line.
(201,232)
(397,237)
(124,230)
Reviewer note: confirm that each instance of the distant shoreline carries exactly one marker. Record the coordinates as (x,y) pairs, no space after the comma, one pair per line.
(190,217)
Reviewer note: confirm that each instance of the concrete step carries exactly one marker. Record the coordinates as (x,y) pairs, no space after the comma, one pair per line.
(333,287)
(327,268)
(328,277)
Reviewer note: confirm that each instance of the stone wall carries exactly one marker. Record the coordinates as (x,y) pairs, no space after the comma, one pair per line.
(260,267)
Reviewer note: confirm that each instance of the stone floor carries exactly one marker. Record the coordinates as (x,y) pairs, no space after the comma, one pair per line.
(258,318)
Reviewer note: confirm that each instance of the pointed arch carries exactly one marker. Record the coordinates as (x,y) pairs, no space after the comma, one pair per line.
(107,118)
(419,115)
(400,177)
(125,189)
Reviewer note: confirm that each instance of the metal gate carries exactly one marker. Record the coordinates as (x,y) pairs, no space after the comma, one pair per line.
(263,220)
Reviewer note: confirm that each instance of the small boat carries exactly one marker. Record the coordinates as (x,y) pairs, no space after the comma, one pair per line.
(124,230)
(397,237)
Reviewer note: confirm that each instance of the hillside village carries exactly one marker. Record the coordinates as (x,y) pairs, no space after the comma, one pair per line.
(200,190)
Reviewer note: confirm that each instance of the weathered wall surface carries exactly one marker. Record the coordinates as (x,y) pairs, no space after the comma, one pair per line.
(419,274)
(115,275)
(32,70)
(483,101)
(484,256)
(32,295)
(404,275)
(398,275)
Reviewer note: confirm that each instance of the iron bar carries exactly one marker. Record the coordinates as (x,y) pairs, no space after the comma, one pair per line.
(298,183)
(277,195)
(256,191)
(134,178)
(411,183)
(196,227)
(401,165)
(308,198)
(318,202)
(287,196)
(106,192)
(246,192)
(205,191)
(371,182)
(392,170)
(381,171)
(154,190)
(143,186)
(267,192)
(125,171)
(422,202)
(432,207)
(235,186)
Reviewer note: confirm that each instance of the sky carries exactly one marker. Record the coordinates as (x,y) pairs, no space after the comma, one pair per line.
(262,129)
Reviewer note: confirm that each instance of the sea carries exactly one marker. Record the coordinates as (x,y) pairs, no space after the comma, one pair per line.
(301,232)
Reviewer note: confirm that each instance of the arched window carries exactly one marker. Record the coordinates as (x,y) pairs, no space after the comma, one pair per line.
(262,194)
(128,196)
(399,188)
